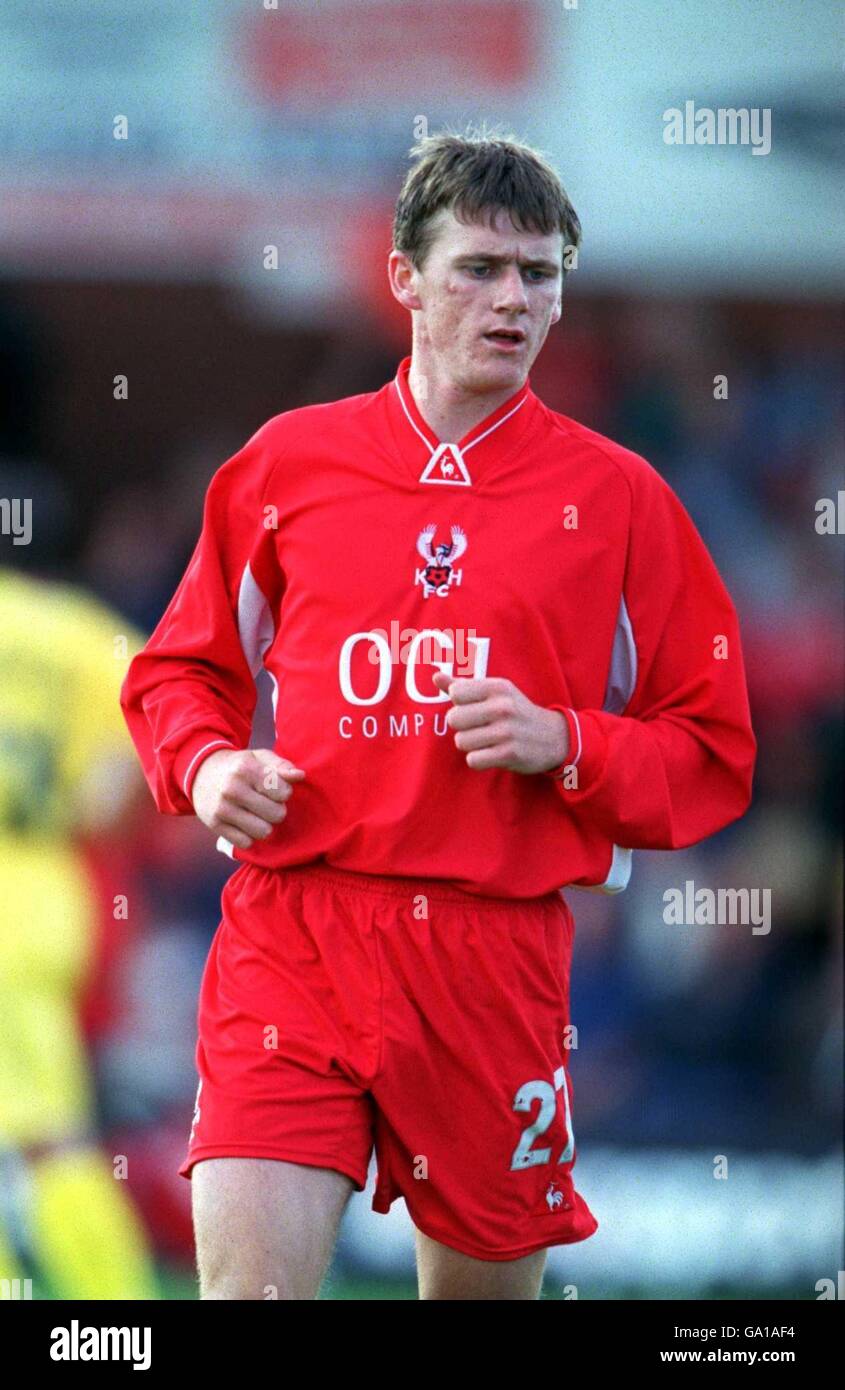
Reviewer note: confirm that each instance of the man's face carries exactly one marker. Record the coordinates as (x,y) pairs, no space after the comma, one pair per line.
(476,281)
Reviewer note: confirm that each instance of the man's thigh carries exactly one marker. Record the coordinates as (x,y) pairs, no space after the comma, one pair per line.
(446,1273)
(265,1228)
(474,1100)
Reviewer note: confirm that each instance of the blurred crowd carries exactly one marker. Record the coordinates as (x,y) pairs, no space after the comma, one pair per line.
(684,1033)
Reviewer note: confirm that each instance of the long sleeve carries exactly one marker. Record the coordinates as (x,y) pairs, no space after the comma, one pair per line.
(676,764)
(192,689)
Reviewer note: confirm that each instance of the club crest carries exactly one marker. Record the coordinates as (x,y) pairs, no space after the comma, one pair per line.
(439,572)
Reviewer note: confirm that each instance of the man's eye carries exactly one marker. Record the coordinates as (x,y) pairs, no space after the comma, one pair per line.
(530,270)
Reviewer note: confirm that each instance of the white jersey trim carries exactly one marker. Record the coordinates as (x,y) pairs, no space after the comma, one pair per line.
(435,449)
(222,742)
(621,684)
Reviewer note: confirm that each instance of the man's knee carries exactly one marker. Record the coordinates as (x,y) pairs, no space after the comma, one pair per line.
(445,1273)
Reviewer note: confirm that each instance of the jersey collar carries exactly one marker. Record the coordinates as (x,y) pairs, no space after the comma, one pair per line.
(457,465)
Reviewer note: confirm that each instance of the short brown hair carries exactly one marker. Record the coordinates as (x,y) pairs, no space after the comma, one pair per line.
(474,174)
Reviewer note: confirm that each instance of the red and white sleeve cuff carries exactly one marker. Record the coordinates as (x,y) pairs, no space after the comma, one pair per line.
(191,756)
(587,747)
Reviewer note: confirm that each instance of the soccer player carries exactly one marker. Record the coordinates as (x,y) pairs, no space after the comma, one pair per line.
(66,770)
(502,659)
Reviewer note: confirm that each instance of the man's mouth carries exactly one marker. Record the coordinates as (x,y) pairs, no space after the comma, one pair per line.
(506,337)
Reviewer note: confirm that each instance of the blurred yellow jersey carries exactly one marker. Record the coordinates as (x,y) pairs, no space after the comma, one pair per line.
(65,760)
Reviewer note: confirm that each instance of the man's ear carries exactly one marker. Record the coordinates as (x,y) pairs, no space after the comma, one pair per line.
(557,312)
(400,273)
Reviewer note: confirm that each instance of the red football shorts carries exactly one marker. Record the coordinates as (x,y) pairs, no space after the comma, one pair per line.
(342,1010)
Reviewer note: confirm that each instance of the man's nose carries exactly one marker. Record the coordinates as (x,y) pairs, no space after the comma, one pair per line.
(510,290)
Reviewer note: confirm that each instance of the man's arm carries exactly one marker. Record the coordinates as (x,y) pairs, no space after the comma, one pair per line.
(677,764)
(191,692)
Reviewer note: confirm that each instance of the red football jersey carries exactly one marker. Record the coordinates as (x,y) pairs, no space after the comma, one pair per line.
(352,554)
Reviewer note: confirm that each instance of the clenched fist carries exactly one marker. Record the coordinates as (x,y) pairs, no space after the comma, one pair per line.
(241,793)
(498,726)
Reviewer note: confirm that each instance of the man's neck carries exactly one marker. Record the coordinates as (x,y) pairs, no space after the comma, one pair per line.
(449,411)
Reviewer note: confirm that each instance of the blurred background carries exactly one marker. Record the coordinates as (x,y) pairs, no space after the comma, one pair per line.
(149,154)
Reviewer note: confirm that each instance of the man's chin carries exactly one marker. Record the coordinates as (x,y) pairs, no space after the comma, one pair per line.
(495,373)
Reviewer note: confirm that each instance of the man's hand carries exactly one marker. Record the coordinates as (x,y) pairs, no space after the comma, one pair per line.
(498,726)
(240,794)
